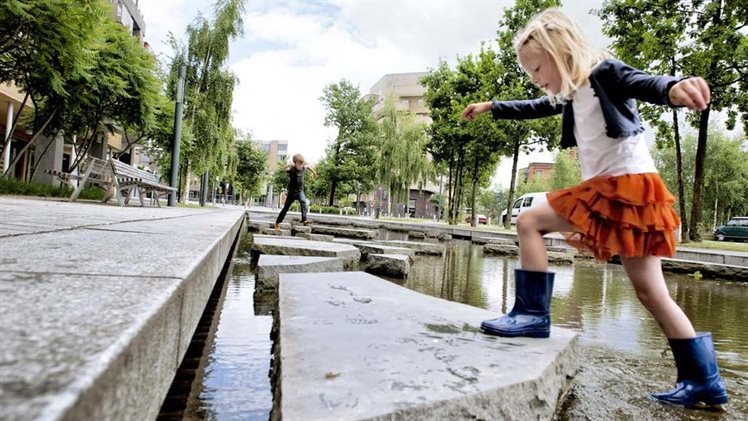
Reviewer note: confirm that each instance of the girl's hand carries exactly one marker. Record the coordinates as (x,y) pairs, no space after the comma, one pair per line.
(692,93)
(472,110)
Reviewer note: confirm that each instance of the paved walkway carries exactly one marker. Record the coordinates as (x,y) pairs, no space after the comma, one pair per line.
(100,302)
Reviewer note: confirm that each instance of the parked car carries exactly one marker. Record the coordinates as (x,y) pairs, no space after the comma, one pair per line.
(482,219)
(524,202)
(734,230)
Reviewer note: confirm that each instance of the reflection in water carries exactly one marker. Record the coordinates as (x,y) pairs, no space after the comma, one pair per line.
(233,383)
(598,301)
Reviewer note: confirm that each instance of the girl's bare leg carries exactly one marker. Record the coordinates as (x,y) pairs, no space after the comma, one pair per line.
(532,224)
(646,276)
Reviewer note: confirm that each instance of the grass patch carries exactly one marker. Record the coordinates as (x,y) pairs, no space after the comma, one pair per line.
(12,186)
(717,245)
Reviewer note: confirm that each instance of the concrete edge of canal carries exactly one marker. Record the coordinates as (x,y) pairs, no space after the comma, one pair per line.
(97,320)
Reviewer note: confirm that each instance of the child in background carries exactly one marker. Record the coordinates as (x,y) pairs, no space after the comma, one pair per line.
(621,208)
(295,189)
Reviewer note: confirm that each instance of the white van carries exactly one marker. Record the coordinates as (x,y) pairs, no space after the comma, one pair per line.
(524,202)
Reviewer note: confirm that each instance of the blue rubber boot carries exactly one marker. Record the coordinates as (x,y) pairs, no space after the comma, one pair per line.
(530,316)
(699,383)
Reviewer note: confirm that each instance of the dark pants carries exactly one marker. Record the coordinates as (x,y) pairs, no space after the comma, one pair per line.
(289,201)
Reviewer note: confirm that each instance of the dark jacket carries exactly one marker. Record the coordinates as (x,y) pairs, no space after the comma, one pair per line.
(616,84)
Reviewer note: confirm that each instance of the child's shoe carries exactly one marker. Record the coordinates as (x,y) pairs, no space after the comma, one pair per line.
(277,227)
(698,383)
(531,313)
(305,222)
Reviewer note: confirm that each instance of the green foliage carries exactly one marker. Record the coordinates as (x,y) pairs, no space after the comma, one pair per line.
(12,186)
(725,178)
(279,181)
(350,158)
(566,172)
(402,159)
(491,202)
(250,167)
(209,88)
(537,184)
(693,37)
(80,68)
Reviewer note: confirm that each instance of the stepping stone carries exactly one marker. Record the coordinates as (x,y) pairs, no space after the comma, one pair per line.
(367,247)
(353,346)
(393,265)
(359,233)
(297,229)
(273,231)
(316,237)
(492,240)
(292,246)
(501,249)
(269,266)
(420,248)
(443,236)
(255,226)
(560,258)
(417,235)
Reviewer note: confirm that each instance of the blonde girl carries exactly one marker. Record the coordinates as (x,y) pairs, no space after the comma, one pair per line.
(621,208)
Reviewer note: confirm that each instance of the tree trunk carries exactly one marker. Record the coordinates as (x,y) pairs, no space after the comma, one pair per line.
(333,173)
(44,152)
(28,145)
(698,178)
(508,217)
(6,143)
(679,171)
(473,222)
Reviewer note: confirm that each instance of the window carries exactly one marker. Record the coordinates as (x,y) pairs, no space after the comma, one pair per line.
(518,204)
(282,147)
(528,202)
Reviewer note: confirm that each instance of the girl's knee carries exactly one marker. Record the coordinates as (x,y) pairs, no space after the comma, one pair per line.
(526,223)
(653,299)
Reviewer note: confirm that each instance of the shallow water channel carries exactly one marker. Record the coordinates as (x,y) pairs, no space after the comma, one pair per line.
(623,354)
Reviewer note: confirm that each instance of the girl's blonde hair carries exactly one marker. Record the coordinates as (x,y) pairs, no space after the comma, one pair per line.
(561,38)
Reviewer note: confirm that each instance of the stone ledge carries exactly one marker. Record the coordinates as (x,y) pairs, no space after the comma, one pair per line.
(96,320)
(293,246)
(353,346)
(393,265)
(270,266)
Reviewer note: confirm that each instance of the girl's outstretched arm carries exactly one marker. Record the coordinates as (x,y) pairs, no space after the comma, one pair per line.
(514,110)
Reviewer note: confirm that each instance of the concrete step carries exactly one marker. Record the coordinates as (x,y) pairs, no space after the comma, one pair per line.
(352,346)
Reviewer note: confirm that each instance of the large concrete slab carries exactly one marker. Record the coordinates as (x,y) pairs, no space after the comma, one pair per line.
(394,265)
(269,267)
(368,247)
(96,316)
(419,247)
(361,233)
(292,246)
(353,346)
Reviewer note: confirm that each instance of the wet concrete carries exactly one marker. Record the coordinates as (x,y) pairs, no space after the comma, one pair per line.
(624,356)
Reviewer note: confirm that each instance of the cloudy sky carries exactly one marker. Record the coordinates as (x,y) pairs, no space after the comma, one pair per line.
(292,49)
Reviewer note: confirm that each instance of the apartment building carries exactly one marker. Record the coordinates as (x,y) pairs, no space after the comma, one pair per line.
(276,155)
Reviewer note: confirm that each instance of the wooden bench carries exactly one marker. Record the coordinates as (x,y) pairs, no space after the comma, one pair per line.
(127,178)
(93,171)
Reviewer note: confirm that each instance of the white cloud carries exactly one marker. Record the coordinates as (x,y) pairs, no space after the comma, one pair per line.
(292,49)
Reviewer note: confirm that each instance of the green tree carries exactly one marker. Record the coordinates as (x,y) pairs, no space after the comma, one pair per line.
(694,37)
(492,201)
(726,174)
(352,153)
(209,89)
(81,70)
(279,180)
(565,172)
(402,160)
(251,167)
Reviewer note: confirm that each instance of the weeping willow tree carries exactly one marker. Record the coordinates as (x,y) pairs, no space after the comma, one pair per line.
(403,160)
(209,91)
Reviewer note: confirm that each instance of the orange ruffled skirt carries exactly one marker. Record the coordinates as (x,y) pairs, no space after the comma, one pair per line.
(630,215)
